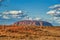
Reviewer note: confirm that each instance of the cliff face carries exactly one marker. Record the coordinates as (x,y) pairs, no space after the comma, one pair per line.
(33,22)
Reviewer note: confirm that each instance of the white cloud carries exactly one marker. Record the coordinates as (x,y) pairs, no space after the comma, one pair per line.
(5,13)
(55,11)
(15,12)
(55,18)
(52,12)
(58,21)
(37,18)
(57,5)
(58,12)
(18,17)
(6,17)
(12,14)
(0,15)
(28,18)
(59,9)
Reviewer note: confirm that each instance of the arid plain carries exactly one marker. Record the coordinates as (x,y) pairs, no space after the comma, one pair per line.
(26,32)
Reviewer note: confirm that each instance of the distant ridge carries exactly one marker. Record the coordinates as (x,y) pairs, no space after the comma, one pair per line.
(33,22)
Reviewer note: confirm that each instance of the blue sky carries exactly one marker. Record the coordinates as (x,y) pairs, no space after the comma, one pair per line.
(34,8)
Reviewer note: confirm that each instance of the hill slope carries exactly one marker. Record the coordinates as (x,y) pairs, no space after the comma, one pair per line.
(33,22)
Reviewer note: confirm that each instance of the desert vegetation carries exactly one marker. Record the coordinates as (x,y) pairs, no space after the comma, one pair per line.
(26,32)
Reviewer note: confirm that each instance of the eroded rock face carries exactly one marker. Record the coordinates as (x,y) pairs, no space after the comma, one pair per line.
(33,22)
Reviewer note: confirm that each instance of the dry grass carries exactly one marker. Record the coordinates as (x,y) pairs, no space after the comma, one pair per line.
(25,32)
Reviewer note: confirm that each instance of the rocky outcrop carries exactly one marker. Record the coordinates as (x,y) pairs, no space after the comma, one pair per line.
(33,22)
